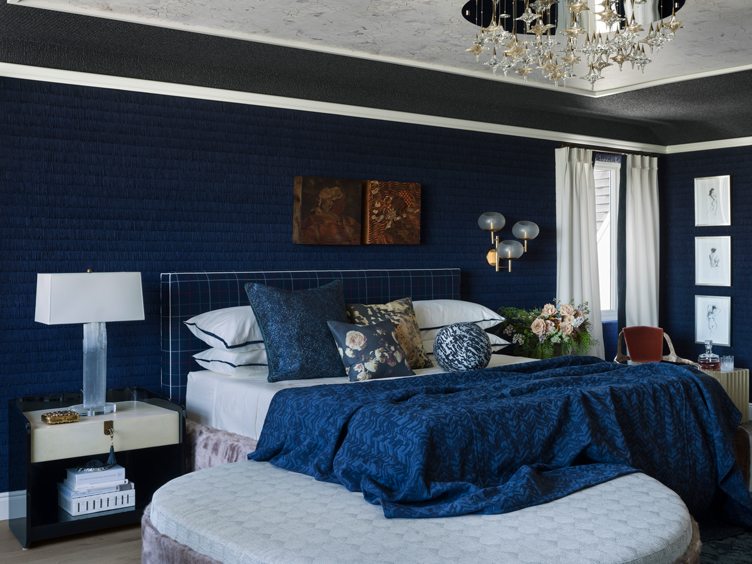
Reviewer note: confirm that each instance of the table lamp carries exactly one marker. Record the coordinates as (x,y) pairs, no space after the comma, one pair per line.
(91,298)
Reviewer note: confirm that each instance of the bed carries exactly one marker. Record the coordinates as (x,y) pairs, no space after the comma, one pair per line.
(226,413)
(185,295)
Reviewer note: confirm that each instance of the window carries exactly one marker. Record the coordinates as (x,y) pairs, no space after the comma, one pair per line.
(606,216)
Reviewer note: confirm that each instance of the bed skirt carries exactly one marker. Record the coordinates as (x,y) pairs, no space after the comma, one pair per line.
(157,548)
(208,447)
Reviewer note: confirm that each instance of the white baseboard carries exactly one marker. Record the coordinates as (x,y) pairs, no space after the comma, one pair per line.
(5,499)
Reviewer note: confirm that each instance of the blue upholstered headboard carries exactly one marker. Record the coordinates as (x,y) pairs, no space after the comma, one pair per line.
(185,294)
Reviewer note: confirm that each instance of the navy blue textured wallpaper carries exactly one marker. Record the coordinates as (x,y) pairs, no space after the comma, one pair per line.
(127,181)
(678,234)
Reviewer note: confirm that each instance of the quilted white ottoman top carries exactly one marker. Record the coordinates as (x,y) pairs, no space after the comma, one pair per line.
(255,512)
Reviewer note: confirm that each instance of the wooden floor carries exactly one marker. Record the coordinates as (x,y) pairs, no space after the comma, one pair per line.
(115,546)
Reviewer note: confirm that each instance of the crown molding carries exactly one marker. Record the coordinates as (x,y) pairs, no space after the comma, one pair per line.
(708,145)
(60,76)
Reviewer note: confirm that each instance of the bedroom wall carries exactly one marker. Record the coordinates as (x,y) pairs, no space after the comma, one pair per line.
(677,248)
(127,181)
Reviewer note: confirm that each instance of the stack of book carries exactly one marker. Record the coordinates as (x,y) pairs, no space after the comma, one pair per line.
(91,490)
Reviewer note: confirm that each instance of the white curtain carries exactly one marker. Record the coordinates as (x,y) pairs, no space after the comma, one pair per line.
(576,244)
(642,241)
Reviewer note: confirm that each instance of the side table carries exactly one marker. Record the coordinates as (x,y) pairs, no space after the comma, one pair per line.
(148,441)
(736,384)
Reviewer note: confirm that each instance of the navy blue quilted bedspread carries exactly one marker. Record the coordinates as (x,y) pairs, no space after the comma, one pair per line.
(500,439)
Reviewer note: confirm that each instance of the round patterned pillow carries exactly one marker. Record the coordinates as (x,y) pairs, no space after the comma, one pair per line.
(462,346)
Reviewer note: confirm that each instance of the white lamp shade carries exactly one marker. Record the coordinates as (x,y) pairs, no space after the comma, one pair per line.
(89,296)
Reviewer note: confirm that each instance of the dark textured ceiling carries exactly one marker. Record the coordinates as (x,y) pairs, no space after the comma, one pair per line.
(685,112)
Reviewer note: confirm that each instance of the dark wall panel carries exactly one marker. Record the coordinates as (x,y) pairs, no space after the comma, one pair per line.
(126,181)
(678,234)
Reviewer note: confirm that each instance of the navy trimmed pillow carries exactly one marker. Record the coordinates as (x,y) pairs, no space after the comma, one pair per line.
(298,343)
(230,362)
(462,346)
(370,351)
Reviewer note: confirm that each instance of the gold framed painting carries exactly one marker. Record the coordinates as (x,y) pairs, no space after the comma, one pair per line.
(391,213)
(327,211)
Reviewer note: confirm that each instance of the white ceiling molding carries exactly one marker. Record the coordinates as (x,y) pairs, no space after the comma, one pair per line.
(248,98)
(709,145)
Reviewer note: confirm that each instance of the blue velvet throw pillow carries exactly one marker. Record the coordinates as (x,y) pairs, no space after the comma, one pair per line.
(370,351)
(298,343)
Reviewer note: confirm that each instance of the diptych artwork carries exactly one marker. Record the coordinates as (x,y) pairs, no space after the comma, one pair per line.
(392,213)
(333,211)
(327,211)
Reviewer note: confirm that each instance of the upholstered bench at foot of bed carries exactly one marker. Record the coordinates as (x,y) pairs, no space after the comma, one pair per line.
(255,512)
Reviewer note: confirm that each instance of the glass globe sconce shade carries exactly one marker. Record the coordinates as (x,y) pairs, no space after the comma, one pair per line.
(491,221)
(525,231)
(509,250)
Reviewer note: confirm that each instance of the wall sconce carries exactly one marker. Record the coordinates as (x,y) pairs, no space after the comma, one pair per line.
(507,250)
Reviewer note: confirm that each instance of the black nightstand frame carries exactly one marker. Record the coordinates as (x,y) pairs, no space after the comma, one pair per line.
(36,517)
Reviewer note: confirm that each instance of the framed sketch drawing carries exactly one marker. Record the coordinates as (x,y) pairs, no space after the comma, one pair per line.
(713,320)
(713,261)
(713,201)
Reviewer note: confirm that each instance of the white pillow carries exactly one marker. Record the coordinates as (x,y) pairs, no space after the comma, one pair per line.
(433,315)
(233,328)
(230,362)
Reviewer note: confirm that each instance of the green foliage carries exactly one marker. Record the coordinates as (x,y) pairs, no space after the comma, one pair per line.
(553,330)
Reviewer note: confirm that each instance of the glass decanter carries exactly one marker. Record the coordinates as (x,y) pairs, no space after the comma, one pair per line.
(709,360)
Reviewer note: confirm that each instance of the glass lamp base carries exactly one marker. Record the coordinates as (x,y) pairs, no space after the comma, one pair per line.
(94,410)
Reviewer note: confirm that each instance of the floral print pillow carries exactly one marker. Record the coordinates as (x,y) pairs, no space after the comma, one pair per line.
(401,313)
(370,351)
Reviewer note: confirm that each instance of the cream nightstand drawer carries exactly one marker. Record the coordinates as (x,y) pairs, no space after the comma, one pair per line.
(136,424)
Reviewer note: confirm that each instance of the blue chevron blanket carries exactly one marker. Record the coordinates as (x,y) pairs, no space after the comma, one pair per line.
(500,439)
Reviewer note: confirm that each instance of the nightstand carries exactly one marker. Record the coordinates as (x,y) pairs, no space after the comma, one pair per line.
(148,440)
(736,384)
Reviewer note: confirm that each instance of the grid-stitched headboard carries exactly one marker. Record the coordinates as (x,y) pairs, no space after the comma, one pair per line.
(185,294)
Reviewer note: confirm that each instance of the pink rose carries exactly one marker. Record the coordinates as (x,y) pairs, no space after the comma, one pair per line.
(538,327)
(567,309)
(355,340)
(566,328)
(549,310)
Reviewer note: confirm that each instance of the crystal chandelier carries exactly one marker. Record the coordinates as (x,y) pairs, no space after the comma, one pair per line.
(557,41)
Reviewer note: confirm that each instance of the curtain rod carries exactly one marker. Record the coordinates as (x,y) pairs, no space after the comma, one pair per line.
(609,150)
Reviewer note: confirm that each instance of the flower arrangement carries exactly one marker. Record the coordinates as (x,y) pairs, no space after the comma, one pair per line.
(553,330)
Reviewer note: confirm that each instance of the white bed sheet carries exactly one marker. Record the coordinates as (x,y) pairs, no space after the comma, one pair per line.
(239,404)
